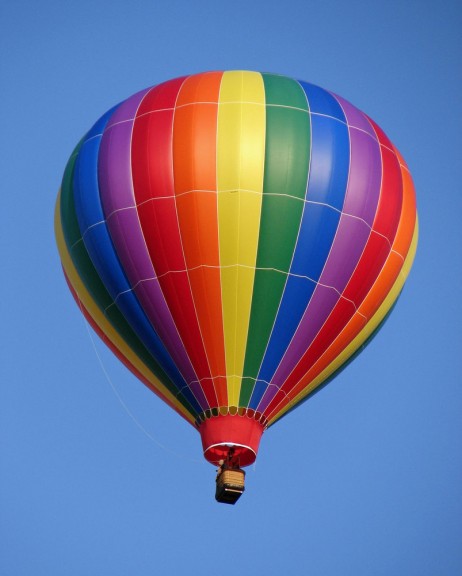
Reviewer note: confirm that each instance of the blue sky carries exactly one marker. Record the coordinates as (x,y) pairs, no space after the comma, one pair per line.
(96,475)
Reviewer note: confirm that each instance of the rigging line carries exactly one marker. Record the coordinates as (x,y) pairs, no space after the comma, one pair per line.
(121,401)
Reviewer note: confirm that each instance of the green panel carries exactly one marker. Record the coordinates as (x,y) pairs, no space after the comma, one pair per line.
(287,153)
(69,221)
(95,286)
(283,91)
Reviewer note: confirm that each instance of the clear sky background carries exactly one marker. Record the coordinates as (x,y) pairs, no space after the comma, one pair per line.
(97,476)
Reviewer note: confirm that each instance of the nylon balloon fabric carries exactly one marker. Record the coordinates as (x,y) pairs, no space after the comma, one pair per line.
(236,238)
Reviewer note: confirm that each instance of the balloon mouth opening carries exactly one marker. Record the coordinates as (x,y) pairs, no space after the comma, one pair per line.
(221,434)
(244,455)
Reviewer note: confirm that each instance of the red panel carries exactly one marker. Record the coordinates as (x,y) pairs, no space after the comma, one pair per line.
(161,97)
(368,268)
(152,164)
(160,225)
(152,156)
(391,196)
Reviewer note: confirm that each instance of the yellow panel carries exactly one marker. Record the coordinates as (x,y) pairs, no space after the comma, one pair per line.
(240,168)
(101,320)
(365,332)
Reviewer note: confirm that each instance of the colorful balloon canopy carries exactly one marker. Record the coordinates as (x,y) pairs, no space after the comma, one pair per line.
(235,238)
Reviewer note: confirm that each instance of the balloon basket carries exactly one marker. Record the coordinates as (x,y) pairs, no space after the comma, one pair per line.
(230,485)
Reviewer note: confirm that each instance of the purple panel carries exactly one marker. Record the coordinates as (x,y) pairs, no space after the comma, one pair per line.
(114,168)
(196,389)
(122,218)
(319,308)
(128,108)
(366,165)
(267,397)
(365,177)
(355,118)
(361,202)
(351,237)
(123,226)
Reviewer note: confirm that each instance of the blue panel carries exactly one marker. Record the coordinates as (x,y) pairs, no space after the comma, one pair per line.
(327,183)
(322,102)
(257,394)
(330,159)
(85,185)
(317,231)
(297,294)
(319,224)
(101,250)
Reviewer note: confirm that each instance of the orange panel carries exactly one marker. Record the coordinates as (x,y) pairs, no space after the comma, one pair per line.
(200,88)
(408,215)
(194,167)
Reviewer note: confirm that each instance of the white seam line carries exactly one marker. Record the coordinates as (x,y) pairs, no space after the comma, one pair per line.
(304,200)
(187,270)
(240,102)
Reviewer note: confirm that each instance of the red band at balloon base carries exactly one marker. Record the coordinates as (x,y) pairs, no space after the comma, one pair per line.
(220,433)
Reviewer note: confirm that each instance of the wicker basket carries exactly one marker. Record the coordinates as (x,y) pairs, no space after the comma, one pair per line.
(232,478)
(230,485)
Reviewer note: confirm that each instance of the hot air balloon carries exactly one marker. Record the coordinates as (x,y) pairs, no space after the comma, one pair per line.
(235,238)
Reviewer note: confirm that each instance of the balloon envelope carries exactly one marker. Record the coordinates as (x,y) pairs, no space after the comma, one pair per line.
(235,238)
